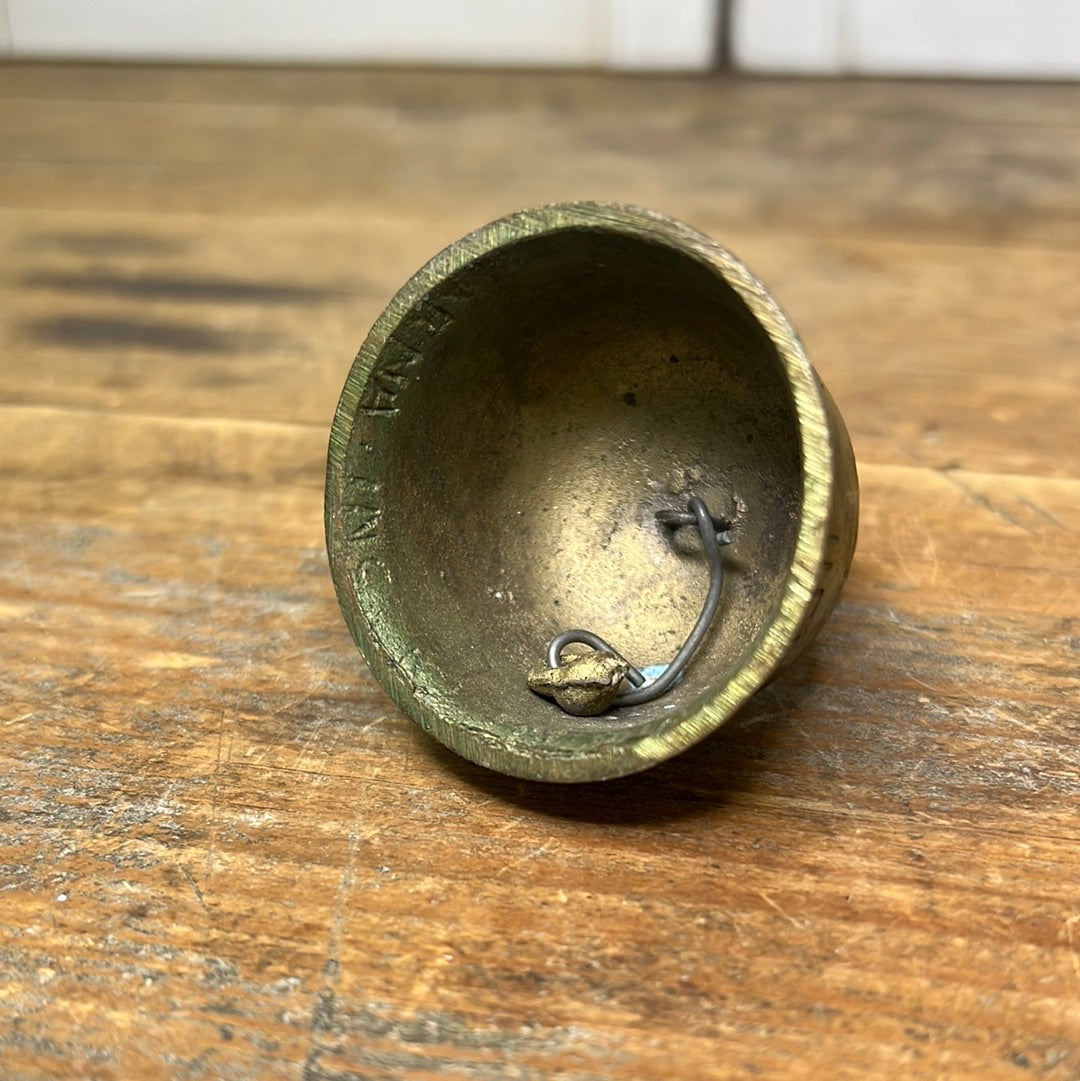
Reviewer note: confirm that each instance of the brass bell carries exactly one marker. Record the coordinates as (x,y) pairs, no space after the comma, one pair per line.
(584,416)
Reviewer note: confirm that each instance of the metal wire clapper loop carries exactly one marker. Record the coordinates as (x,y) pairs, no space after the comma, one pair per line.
(714,532)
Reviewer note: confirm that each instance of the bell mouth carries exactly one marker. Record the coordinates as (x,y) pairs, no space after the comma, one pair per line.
(518,416)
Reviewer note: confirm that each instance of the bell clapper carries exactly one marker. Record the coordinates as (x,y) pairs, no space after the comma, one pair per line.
(588,684)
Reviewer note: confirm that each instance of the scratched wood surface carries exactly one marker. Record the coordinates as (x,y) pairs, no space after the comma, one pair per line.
(224,853)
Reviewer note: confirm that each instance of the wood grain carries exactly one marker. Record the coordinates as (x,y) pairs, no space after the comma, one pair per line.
(224,853)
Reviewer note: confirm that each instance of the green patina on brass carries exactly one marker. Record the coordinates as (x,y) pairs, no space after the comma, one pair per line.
(510,428)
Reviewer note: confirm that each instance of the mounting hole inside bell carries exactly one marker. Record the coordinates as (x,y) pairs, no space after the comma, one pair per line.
(576,382)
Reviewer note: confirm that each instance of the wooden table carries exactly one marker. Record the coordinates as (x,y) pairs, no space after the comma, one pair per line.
(225,854)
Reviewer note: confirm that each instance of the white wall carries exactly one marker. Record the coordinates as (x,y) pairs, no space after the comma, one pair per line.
(633,34)
(988,38)
(985,38)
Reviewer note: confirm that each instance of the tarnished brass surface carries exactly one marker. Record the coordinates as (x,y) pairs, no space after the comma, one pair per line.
(515,419)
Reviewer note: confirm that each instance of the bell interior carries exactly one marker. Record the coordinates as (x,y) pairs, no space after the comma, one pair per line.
(586,380)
